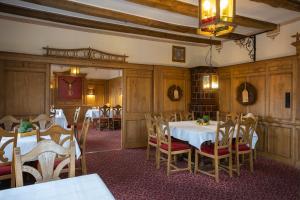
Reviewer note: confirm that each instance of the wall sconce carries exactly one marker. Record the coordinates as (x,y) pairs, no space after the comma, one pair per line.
(91,92)
(75,71)
(51,86)
(210,81)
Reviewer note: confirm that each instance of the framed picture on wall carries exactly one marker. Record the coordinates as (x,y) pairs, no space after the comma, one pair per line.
(69,88)
(178,54)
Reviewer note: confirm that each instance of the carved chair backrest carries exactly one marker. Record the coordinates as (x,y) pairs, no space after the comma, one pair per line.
(163,133)
(117,111)
(170,117)
(9,122)
(83,134)
(187,116)
(56,133)
(233,116)
(46,153)
(150,125)
(224,135)
(105,110)
(245,130)
(250,115)
(7,138)
(76,115)
(43,121)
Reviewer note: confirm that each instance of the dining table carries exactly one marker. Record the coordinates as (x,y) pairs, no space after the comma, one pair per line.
(87,187)
(196,134)
(60,118)
(27,143)
(95,113)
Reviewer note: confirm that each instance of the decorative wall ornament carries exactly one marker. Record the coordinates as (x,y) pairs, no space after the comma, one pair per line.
(175,93)
(249,43)
(70,87)
(246,94)
(86,53)
(178,54)
(274,33)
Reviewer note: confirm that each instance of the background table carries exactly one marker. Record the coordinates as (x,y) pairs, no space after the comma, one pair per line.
(95,113)
(88,187)
(60,118)
(196,134)
(27,143)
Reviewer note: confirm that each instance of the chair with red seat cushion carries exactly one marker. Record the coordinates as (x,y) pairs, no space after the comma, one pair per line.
(171,148)
(75,121)
(6,166)
(242,146)
(218,150)
(151,132)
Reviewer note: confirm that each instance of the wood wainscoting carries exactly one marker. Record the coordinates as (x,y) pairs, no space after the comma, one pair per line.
(278,129)
(25,88)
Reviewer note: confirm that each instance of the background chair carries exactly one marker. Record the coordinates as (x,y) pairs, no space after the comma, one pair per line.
(170,117)
(82,144)
(251,115)
(243,142)
(220,149)
(8,122)
(187,116)
(104,121)
(171,148)
(152,136)
(116,118)
(75,121)
(42,121)
(45,152)
(6,166)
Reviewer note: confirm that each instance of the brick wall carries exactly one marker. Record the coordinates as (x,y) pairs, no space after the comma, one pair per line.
(204,101)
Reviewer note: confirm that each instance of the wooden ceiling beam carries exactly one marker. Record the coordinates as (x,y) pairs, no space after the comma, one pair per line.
(115,15)
(59,18)
(293,5)
(192,11)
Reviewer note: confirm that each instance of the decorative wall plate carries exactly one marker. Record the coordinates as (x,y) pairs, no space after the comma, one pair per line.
(175,93)
(250,90)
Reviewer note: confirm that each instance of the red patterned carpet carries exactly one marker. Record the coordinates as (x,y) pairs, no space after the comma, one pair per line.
(129,176)
(103,140)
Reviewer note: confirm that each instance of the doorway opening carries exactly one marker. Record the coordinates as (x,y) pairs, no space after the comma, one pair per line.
(99,94)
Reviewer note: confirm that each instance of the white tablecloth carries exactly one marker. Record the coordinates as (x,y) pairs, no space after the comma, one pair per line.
(27,143)
(88,187)
(196,134)
(60,118)
(95,113)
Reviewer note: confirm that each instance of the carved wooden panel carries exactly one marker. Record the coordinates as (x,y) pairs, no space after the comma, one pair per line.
(2,91)
(26,88)
(279,85)
(115,91)
(279,141)
(259,82)
(297,146)
(101,96)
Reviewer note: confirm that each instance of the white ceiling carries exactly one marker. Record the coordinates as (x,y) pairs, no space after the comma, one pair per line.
(244,8)
(91,72)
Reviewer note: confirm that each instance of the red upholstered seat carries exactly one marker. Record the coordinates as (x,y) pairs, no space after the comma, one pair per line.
(176,146)
(242,147)
(4,170)
(210,149)
(153,140)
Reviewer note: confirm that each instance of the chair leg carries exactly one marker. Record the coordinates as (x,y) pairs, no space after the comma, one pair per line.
(175,159)
(254,153)
(237,164)
(83,164)
(190,161)
(169,164)
(217,170)
(196,162)
(251,161)
(158,160)
(13,181)
(230,165)
(148,151)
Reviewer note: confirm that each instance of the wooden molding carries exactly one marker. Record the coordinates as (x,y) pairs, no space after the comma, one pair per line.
(192,11)
(286,4)
(59,18)
(115,15)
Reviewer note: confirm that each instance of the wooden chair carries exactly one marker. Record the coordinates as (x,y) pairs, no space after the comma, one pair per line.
(187,116)
(104,121)
(45,152)
(218,150)
(56,133)
(251,115)
(170,117)
(243,142)
(42,121)
(82,144)
(171,148)
(233,116)
(9,122)
(116,119)
(6,166)
(152,136)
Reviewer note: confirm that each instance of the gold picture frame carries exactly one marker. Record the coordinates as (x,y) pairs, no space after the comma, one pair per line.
(178,54)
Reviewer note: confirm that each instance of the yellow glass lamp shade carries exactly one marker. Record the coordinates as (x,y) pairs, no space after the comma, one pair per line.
(216,17)
(75,70)
(214,82)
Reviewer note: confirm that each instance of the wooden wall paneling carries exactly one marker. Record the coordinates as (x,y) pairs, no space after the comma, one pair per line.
(297,147)
(99,86)
(261,131)
(2,90)
(138,92)
(259,82)
(27,88)
(225,98)
(236,106)
(115,91)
